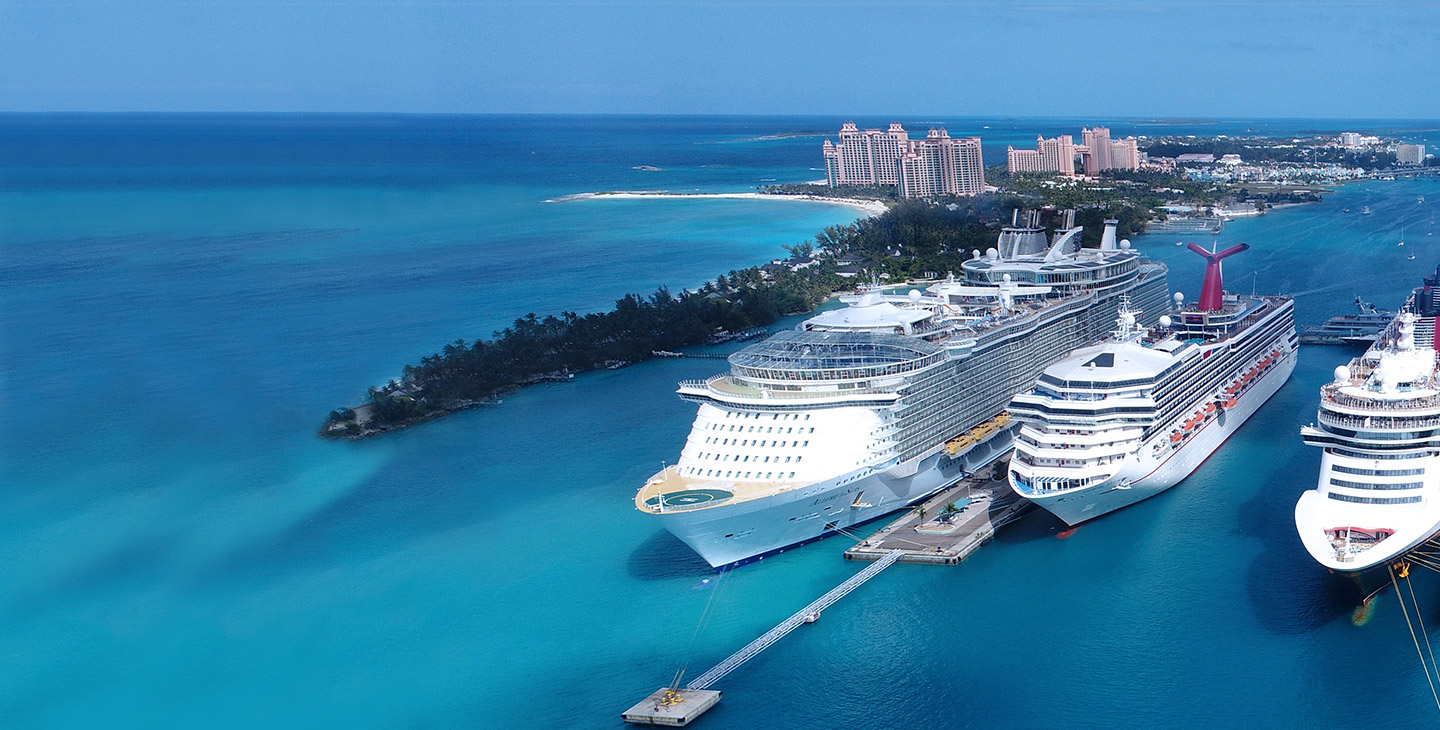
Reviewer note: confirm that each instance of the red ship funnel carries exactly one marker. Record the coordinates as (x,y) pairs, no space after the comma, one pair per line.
(1213,290)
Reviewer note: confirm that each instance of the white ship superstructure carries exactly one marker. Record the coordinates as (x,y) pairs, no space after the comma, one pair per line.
(863,410)
(1118,422)
(1378,423)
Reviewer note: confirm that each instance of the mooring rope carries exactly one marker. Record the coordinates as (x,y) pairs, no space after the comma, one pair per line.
(1430,680)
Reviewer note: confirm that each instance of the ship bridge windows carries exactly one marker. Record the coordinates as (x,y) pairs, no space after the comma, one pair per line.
(1368,485)
(1377,455)
(1341,468)
(1372,500)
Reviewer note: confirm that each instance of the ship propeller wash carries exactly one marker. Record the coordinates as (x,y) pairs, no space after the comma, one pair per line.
(1118,422)
(863,410)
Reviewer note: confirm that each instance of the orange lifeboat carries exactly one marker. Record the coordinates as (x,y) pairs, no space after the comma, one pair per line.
(1209,407)
(1230,403)
(1176,438)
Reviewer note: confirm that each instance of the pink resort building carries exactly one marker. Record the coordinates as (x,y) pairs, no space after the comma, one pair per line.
(934,166)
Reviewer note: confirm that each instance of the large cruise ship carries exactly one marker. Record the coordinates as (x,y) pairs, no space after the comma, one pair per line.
(1378,423)
(863,410)
(1127,419)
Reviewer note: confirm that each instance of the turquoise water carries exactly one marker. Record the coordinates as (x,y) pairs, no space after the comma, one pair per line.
(185,553)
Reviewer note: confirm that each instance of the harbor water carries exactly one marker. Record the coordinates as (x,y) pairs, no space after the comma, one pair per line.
(185,297)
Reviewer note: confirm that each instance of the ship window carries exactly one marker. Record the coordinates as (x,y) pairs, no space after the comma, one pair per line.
(787,460)
(807,443)
(747,475)
(767,474)
(807,416)
(792,475)
(797,458)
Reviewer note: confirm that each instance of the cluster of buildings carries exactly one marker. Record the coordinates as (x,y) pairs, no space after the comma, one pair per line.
(934,166)
(1097,152)
(1405,154)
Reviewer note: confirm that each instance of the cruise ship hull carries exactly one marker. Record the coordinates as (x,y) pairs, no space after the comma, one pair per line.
(1149,470)
(751,530)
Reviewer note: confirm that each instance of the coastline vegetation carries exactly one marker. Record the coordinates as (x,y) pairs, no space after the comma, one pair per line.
(912,238)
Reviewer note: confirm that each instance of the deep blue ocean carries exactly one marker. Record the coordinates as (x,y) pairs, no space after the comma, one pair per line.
(182,298)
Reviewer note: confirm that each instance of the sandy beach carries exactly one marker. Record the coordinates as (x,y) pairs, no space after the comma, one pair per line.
(871,207)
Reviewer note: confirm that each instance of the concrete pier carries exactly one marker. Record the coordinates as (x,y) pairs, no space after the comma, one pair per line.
(938,539)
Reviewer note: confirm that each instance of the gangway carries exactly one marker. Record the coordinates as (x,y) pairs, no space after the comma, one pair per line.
(668,706)
(805,615)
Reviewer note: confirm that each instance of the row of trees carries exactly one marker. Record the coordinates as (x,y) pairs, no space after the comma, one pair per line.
(912,237)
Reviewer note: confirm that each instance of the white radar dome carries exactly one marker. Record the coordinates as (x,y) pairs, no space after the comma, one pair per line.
(1128,319)
(992,254)
(974,253)
(914,295)
(1165,321)
(1342,374)
(1124,243)
(1179,298)
(1005,278)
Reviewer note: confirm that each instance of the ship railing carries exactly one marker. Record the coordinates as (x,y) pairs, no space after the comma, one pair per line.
(1375,423)
(730,386)
(1408,404)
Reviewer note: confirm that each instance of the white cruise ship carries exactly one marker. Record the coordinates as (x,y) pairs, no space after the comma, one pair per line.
(1378,496)
(863,410)
(1118,422)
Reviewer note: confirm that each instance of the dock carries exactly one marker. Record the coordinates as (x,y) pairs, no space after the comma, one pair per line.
(939,534)
(673,708)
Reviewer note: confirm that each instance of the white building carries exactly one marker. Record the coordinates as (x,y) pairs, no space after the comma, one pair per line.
(1410,154)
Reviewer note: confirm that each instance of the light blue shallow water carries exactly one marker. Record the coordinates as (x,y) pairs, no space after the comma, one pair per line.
(183,552)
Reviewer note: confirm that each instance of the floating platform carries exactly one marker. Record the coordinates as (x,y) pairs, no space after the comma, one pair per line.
(935,538)
(672,708)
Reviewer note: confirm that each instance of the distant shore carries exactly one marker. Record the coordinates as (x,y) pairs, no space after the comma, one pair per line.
(871,207)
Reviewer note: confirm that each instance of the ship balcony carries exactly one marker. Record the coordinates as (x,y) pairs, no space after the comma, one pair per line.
(1072,452)
(1074,438)
(1068,463)
(1028,482)
(733,390)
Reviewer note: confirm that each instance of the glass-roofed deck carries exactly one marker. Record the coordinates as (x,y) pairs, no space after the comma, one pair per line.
(812,355)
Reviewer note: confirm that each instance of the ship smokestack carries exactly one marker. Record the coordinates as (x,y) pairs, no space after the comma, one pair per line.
(1107,241)
(1212,292)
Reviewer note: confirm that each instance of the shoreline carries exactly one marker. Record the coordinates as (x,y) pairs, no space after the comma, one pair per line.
(872,208)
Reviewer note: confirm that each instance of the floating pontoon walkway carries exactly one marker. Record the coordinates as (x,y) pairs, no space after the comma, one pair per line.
(677,707)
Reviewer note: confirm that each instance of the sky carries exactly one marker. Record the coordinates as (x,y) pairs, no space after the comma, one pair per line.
(1190,58)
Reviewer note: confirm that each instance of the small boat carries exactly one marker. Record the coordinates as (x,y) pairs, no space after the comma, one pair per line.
(1402,237)
(1411,257)
(1420,199)
(1347,210)
(1365,210)
(1179,243)
(812,617)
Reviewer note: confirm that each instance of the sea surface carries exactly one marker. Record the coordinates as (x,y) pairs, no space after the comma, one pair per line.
(182,298)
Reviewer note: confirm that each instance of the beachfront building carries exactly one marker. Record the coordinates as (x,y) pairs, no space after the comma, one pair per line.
(868,157)
(1097,143)
(1410,154)
(937,165)
(1022,160)
(942,165)
(1125,154)
(1050,155)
